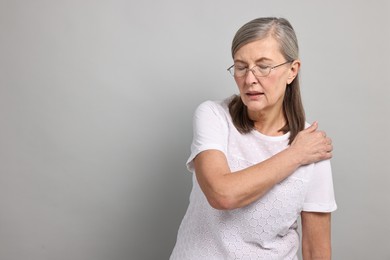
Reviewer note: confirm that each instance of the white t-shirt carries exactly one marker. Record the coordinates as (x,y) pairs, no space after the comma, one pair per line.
(266,228)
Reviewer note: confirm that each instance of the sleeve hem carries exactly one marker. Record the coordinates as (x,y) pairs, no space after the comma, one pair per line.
(194,153)
(319,207)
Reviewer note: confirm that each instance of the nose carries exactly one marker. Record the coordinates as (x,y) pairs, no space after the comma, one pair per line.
(250,78)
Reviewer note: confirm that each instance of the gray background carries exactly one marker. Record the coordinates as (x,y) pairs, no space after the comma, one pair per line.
(96,101)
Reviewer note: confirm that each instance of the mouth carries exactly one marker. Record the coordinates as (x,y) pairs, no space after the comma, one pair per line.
(254,93)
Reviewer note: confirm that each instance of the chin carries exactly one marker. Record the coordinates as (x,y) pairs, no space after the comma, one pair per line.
(254,107)
(252,103)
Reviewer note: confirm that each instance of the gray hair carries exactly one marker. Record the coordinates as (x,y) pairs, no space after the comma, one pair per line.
(279,28)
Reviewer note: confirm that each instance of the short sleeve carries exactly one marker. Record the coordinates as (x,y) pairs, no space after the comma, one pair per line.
(320,196)
(210,130)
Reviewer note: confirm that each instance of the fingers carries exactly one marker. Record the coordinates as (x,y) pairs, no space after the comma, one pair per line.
(327,154)
(330,145)
(324,146)
(327,144)
(321,135)
(325,139)
(312,128)
(313,144)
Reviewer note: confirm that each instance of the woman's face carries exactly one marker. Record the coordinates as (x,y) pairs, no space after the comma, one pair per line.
(263,94)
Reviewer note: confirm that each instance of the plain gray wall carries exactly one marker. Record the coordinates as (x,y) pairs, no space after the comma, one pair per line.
(96,101)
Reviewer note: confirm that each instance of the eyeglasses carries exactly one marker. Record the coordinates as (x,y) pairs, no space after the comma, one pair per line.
(258,70)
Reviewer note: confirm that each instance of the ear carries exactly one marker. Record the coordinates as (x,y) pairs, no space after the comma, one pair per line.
(293,72)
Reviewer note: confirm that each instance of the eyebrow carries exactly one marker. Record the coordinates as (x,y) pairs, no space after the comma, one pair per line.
(256,61)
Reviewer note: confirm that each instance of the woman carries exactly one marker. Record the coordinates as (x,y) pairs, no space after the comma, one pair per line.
(256,168)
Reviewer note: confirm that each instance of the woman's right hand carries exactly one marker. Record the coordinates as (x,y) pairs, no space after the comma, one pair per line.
(312,145)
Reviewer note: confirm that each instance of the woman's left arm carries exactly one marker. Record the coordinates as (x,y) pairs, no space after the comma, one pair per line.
(316,241)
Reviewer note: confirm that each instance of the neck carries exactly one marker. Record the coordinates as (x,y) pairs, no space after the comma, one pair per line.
(269,123)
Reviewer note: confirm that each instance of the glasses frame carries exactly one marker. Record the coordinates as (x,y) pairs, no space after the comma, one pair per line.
(270,68)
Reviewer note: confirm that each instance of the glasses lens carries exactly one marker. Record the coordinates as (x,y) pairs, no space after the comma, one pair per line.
(261,71)
(257,71)
(239,71)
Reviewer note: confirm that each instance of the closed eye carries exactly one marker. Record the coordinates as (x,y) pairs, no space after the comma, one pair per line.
(263,67)
(240,68)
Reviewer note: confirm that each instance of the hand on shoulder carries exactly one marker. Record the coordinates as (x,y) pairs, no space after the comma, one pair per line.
(312,145)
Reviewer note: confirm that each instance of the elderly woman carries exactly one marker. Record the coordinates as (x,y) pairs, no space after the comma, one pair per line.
(257,164)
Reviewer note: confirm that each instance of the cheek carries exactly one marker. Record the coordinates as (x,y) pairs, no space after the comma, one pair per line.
(240,83)
(275,87)
(279,82)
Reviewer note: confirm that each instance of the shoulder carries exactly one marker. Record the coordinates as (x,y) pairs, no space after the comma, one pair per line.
(216,107)
(323,166)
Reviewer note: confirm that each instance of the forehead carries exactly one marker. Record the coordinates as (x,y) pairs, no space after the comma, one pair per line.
(264,49)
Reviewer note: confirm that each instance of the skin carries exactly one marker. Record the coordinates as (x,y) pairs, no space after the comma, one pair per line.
(264,97)
(316,240)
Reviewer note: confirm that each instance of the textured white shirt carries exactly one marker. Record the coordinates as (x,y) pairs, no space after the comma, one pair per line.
(266,228)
